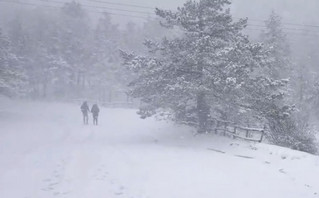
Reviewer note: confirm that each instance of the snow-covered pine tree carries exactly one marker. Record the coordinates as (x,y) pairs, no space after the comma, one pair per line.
(275,40)
(73,40)
(287,127)
(37,45)
(12,79)
(107,75)
(205,66)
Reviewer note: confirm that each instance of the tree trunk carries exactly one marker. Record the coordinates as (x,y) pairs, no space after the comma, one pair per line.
(203,109)
(110,96)
(44,90)
(202,113)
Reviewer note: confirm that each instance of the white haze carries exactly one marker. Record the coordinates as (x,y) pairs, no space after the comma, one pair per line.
(292,11)
(46,151)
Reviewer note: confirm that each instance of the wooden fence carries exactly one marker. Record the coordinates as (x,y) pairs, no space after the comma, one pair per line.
(232,129)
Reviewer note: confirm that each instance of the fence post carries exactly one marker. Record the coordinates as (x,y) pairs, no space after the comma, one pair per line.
(235,129)
(217,124)
(247,133)
(225,128)
(262,134)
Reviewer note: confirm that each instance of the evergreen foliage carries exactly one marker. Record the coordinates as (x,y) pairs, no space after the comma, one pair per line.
(12,77)
(212,65)
(195,65)
(289,127)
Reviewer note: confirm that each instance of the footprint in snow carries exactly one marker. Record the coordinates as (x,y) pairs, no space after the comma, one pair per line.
(100,174)
(244,156)
(253,147)
(295,158)
(282,171)
(47,189)
(54,184)
(120,191)
(56,193)
(60,193)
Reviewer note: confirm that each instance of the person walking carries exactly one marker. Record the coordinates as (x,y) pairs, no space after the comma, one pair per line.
(95,111)
(85,110)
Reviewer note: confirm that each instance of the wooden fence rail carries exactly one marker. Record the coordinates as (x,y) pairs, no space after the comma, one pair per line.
(231,128)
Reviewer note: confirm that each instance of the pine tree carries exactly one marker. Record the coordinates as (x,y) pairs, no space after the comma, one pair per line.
(288,127)
(74,40)
(106,73)
(278,47)
(12,79)
(204,67)
(37,45)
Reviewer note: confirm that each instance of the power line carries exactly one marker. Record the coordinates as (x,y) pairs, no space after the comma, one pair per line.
(26,3)
(257,20)
(289,33)
(284,23)
(285,28)
(149,13)
(123,4)
(103,7)
(153,8)
(58,7)
(145,17)
(107,8)
(125,15)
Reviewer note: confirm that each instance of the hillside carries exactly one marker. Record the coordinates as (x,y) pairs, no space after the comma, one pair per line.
(45,151)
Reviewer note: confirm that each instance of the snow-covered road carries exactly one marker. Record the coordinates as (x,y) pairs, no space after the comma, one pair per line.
(45,151)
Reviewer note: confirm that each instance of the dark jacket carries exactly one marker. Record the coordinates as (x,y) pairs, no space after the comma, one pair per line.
(95,110)
(85,108)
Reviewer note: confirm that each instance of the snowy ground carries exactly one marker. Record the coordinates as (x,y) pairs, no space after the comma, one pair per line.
(45,151)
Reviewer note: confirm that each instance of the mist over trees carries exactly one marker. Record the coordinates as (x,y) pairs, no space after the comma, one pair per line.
(61,54)
(213,70)
(188,65)
(12,74)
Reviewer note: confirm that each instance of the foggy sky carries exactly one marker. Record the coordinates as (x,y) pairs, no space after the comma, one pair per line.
(292,11)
